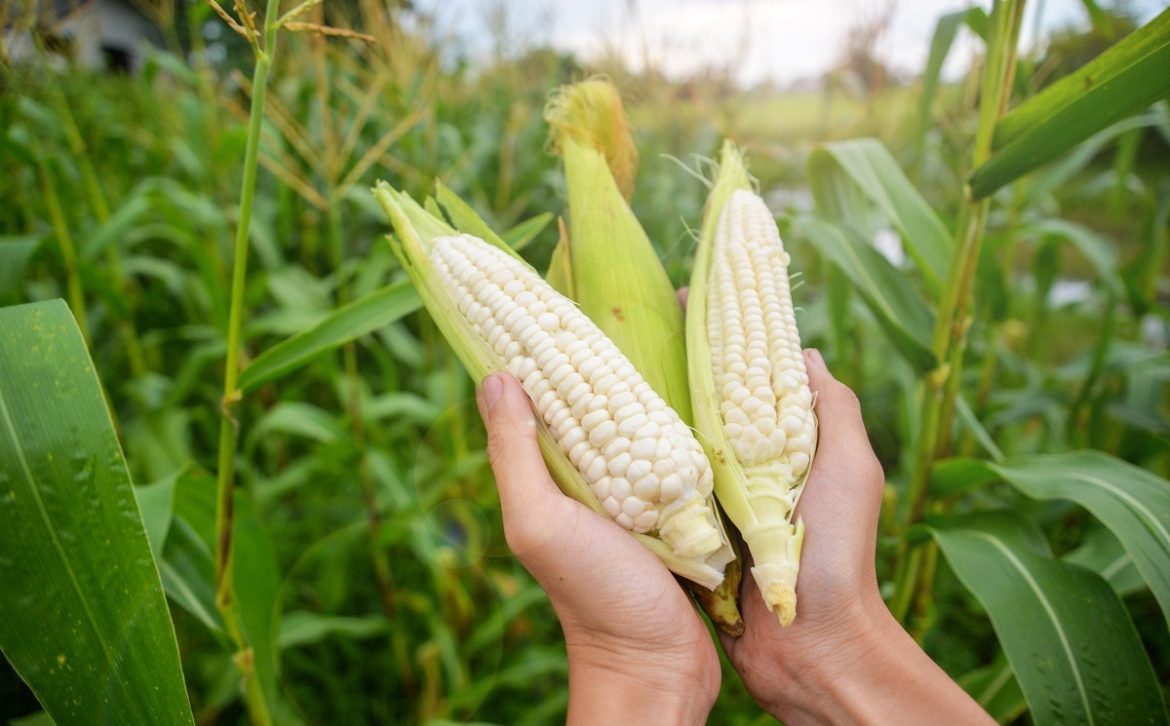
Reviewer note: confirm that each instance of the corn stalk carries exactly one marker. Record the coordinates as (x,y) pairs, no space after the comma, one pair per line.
(264,49)
(915,570)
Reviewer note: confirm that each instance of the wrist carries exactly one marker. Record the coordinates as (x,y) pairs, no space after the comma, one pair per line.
(825,679)
(610,687)
(872,672)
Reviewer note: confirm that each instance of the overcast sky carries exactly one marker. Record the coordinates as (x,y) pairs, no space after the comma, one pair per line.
(777,40)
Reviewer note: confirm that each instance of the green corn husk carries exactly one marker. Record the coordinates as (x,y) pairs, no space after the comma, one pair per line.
(607,264)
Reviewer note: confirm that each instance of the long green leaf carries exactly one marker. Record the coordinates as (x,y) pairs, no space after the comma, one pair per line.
(1100,252)
(85,622)
(518,236)
(1104,554)
(1070,642)
(1133,503)
(347,323)
(305,628)
(903,314)
(839,170)
(996,690)
(1122,81)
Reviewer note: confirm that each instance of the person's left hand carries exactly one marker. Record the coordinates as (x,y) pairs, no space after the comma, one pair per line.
(638,650)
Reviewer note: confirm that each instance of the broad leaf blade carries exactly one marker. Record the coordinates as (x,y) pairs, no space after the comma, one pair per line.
(838,170)
(347,323)
(1070,642)
(519,236)
(945,30)
(996,690)
(1122,81)
(1133,503)
(1104,554)
(85,621)
(903,314)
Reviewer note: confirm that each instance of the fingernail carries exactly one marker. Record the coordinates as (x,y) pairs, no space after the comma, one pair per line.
(491,389)
(813,356)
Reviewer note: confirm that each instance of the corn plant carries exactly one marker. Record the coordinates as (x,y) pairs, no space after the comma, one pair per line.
(368,579)
(857,184)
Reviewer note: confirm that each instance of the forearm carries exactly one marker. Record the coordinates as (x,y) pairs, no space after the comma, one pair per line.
(627,693)
(878,676)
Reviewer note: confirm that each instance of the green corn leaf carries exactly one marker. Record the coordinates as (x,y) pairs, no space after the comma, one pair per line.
(1069,639)
(1104,554)
(996,690)
(85,621)
(518,236)
(1122,81)
(305,628)
(852,178)
(1133,503)
(361,317)
(945,30)
(902,313)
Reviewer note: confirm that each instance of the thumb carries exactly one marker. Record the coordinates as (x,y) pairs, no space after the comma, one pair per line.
(525,486)
(842,430)
(850,477)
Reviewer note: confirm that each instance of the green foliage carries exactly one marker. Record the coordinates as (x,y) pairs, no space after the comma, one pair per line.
(85,625)
(371,572)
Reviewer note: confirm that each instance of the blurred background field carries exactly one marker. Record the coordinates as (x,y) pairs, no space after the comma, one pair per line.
(376,561)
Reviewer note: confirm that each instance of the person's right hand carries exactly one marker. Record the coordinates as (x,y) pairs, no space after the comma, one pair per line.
(844,659)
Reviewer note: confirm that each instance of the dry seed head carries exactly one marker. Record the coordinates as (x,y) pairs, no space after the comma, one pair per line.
(640,460)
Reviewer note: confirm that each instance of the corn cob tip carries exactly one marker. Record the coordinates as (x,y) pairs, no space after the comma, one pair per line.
(690,531)
(777,584)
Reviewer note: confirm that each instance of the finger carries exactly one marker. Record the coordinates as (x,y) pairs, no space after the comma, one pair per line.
(841,429)
(521,475)
(684,294)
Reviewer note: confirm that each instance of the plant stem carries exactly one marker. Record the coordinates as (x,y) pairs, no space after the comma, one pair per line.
(225,476)
(954,317)
(101,211)
(75,292)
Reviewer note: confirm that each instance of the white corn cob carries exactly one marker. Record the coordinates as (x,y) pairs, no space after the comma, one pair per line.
(749,386)
(764,398)
(641,462)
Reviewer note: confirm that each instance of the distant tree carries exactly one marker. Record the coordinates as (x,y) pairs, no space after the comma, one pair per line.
(859,66)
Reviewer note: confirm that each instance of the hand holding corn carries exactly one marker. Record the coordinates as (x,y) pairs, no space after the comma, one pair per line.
(638,651)
(845,659)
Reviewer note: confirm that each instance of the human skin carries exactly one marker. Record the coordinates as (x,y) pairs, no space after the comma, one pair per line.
(844,659)
(638,651)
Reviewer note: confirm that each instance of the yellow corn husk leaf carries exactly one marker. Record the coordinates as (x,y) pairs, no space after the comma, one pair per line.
(415,230)
(614,273)
(764,520)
